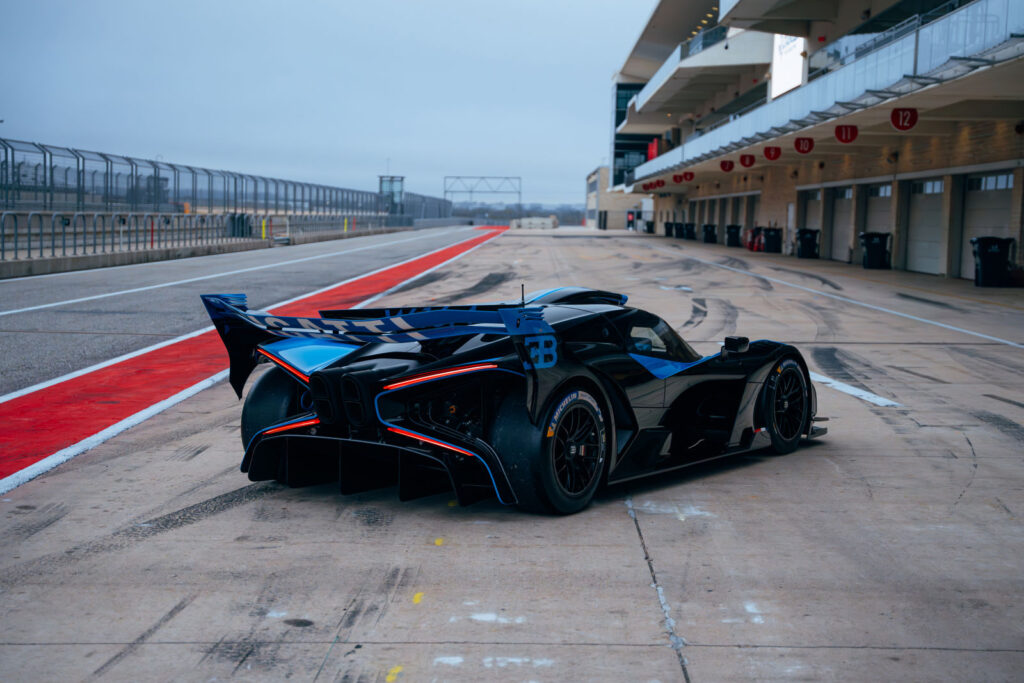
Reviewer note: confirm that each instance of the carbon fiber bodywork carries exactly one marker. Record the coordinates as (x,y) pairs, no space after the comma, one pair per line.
(430,398)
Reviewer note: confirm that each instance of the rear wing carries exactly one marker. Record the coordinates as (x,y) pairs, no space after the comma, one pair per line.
(533,336)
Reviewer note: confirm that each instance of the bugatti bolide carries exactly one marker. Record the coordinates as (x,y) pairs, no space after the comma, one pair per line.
(537,402)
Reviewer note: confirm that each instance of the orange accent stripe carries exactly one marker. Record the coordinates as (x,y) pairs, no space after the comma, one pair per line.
(294,425)
(427,439)
(289,368)
(440,373)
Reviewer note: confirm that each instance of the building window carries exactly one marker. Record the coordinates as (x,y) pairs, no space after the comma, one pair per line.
(813,195)
(987,183)
(927,187)
(844,193)
(884,190)
(592,186)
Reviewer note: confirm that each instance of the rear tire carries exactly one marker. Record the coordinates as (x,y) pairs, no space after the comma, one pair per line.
(785,405)
(273,398)
(555,467)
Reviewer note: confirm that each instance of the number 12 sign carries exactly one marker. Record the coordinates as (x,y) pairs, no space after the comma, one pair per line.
(903,119)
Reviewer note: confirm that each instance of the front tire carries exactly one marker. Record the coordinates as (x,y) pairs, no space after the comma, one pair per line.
(785,405)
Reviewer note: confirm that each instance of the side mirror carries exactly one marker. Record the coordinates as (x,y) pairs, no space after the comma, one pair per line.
(737,344)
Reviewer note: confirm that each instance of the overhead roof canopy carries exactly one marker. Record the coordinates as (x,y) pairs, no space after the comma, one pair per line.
(790,17)
(671,22)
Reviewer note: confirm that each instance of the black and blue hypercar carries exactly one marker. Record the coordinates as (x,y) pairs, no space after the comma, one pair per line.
(536,402)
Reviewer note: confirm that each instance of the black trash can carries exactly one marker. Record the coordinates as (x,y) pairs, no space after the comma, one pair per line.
(876,250)
(678,230)
(690,231)
(807,243)
(732,235)
(773,240)
(992,259)
(650,227)
(710,233)
(669,228)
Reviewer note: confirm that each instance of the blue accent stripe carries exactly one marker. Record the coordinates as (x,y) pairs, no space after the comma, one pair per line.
(662,368)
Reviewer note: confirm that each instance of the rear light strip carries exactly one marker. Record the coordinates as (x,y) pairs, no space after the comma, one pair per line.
(286,366)
(293,425)
(439,374)
(434,442)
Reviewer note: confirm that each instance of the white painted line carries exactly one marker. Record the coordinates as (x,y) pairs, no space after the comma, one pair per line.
(416,277)
(848,300)
(48,463)
(196,333)
(226,273)
(63,455)
(853,391)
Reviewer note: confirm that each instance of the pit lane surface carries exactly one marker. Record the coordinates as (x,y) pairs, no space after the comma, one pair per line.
(890,550)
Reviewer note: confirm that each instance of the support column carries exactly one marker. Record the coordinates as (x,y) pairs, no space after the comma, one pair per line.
(953,187)
(860,220)
(724,210)
(825,207)
(1017,212)
(899,219)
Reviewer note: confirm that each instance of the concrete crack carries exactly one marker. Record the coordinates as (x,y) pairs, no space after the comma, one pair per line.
(676,642)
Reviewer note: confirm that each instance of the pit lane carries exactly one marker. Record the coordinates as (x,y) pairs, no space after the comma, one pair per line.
(889,550)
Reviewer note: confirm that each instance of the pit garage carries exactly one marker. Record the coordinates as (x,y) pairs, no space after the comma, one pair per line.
(987,208)
(924,228)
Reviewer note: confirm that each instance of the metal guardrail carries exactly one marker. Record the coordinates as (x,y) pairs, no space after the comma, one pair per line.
(39,177)
(41,234)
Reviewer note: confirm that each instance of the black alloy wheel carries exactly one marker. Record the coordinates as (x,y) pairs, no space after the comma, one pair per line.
(577,449)
(785,405)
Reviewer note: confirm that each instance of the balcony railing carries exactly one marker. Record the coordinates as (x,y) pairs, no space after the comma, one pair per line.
(684,50)
(969,30)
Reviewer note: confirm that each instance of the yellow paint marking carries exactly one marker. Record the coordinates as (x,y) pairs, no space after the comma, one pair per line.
(393,674)
(417,598)
(438,541)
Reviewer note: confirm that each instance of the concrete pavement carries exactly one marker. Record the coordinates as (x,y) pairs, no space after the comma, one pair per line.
(891,550)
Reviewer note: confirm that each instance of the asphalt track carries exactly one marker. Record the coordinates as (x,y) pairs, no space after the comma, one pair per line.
(891,550)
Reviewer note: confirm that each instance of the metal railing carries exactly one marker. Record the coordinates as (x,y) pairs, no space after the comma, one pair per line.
(684,50)
(41,234)
(39,177)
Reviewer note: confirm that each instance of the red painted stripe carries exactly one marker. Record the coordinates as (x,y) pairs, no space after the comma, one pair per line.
(46,421)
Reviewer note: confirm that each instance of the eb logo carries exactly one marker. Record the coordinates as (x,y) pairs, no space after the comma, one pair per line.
(542,351)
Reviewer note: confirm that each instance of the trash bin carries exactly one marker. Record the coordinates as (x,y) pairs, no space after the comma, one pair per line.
(678,230)
(773,240)
(710,233)
(807,243)
(876,249)
(993,257)
(690,231)
(732,235)
(669,228)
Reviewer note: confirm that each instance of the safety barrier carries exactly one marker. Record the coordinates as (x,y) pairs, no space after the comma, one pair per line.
(24,236)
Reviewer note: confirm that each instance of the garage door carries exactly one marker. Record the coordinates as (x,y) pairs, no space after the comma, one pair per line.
(986,213)
(812,209)
(879,209)
(842,223)
(924,230)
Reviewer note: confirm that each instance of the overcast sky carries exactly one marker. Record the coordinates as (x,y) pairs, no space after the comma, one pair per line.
(325,91)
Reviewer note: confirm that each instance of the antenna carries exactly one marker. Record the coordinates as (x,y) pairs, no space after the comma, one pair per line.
(522,292)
